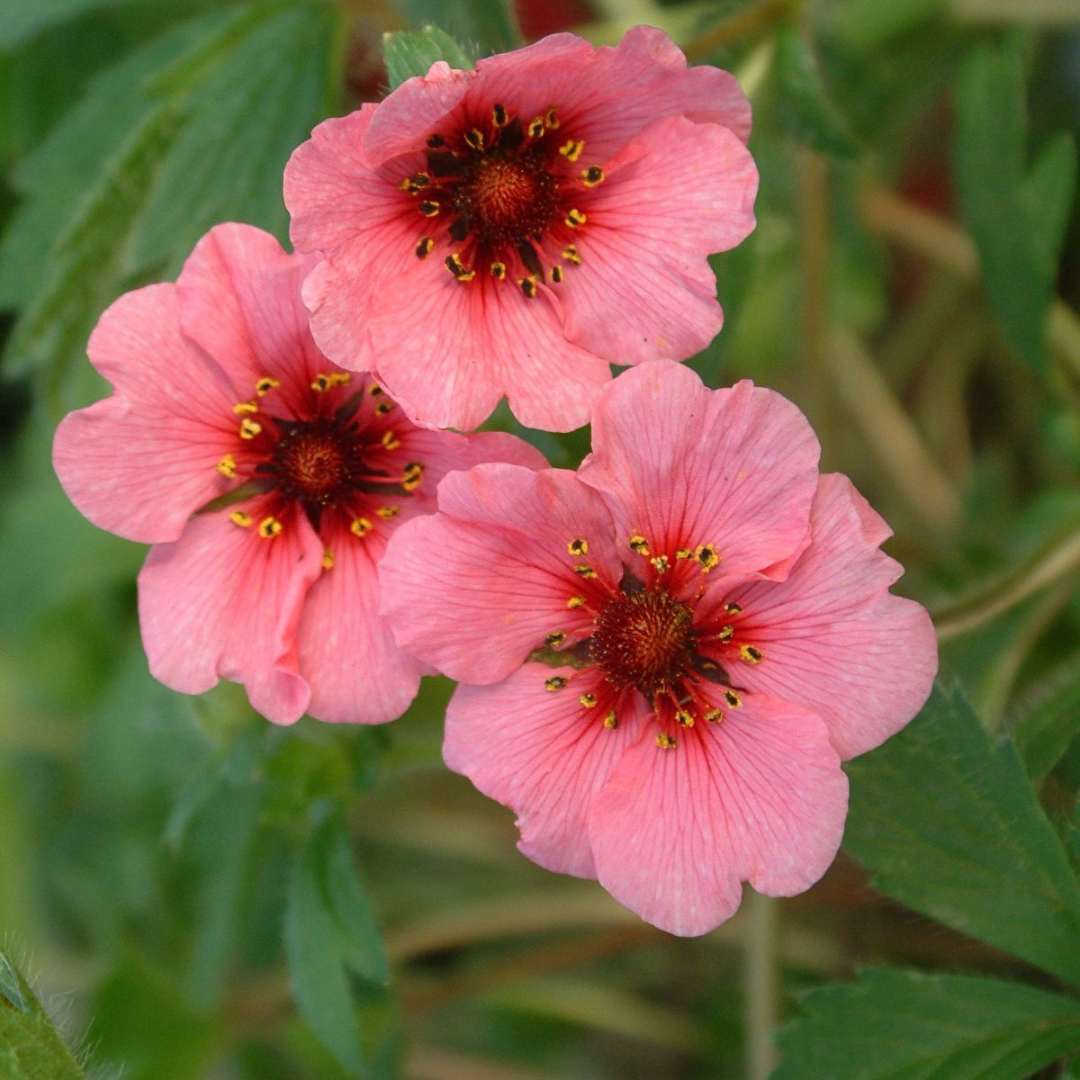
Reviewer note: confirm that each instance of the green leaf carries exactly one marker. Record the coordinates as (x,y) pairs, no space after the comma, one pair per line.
(867,25)
(412,52)
(24,19)
(804,109)
(1044,734)
(1017,221)
(950,826)
(491,24)
(904,1025)
(329,932)
(30,1047)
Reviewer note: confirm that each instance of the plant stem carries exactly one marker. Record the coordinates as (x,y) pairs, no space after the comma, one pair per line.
(762,980)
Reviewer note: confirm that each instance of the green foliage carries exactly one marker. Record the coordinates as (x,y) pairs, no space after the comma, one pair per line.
(902,1025)
(30,1047)
(1047,730)
(490,24)
(1016,215)
(23,19)
(949,825)
(409,53)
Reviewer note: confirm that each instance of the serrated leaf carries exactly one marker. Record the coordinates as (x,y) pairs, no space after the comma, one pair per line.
(487,25)
(804,109)
(904,1025)
(950,826)
(30,1047)
(1016,250)
(324,942)
(408,53)
(1043,736)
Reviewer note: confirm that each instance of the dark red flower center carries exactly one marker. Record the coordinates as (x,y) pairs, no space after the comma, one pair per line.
(316,461)
(644,639)
(506,198)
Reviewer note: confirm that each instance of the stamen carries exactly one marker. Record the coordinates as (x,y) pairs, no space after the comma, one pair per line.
(588,701)
(684,718)
(423,249)
(475,138)
(684,553)
(575,218)
(429,208)
(707,557)
(388,512)
(639,544)
(528,286)
(592,176)
(321,383)
(412,476)
(498,115)
(227,466)
(572,150)
(327,559)
(726,633)
(661,563)
(390,441)
(238,517)
(575,602)
(556,682)
(732,698)
(249,428)
(375,389)
(557,275)
(733,609)
(266,384)
(245,408)
(665,741)
(498,271)
(751,654)
(556,637)
(536,128)
(570,254)
(551,119)
(714,716)
(611,721)
(578,547)
(270,527)
(360,526)
(585,571)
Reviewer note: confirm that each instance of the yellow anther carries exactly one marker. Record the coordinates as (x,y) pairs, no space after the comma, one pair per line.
(498,271)
(575,602)
(585,571)
(714,716)
(551,118)
(726,633)
(578,547)
(571,255)
(557,275)
(384,407)
(227,466)
(499,117)
(661,563)
(684,553)
(340,378)
(665,741)
(249,428)
(611,721)
(238,517)
(423,248)
(266,384)
(571,150)
(528,286)
(556,682)
(375,389)
(270,527)
(390,440)
(575,218)
(413,476)
(684,718)
(475,138)
(428,207)
(321,383)
(750,654)
(416,182)
(245,408)
(587,701)
(536,128)
(732,698)
(639,544)
(707,557)
(556,637)
(733,609)
(360,526)
(327,559)
(592,176)
(388,512)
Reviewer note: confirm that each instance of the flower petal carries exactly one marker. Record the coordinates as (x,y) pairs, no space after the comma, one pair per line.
(759,797)
(644,289)
(142,461)
(541,753)
(685,466)
(222,602)
(475,588)
(833,637)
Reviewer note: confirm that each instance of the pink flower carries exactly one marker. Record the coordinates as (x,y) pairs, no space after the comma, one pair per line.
(670,651)
(296,472)
(514,229)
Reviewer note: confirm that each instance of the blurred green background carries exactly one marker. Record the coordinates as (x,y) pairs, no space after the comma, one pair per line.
(196,894)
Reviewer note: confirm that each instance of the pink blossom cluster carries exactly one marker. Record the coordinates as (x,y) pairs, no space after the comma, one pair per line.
(663,656)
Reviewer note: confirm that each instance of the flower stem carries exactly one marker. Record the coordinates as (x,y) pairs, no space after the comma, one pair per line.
(762,981)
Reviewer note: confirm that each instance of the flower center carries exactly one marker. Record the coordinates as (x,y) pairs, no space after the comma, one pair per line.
(643,639)
(506,198)
(316,462)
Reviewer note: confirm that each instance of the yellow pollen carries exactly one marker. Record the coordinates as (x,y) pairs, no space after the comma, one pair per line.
(423,249)
(575,218)
(375,389)
(413,476)
(732,698)
(429,208)
(684,718)
(588,701)
(750,654)
(528,286)
(536,128)
(498,271)
(726,632)
(571,255)
(475,138)
(384,407)
(665,741)
(575,602)
(611,721)
(238,517)
(684,553)
(360,526)
(270,527)
(245,408)
(556,682)
(714,716)
(556,637)
(592,176)
(227,466)
(390,440)
(572,150)
(388,512)
(733,609)
(327,559)
(266,384)
(578,547)
(249,428)
(707,557)
(585,571)
(551,118)
(639,544)
(557,275)
(499,117)
(662,563)
(321,383)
